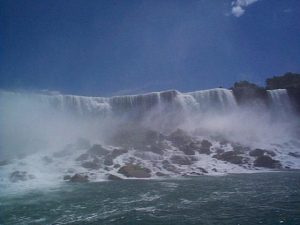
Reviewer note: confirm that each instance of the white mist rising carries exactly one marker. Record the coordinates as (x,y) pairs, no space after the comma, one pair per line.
(48,136)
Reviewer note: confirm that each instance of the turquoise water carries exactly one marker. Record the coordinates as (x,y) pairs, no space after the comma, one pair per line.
(265,198)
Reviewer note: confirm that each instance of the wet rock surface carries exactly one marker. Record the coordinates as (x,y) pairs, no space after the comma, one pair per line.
(267,162)
(230,156)
(17,176)
(132,170)
(79,178)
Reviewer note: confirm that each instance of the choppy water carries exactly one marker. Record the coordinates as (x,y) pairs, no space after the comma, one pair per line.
(265,198)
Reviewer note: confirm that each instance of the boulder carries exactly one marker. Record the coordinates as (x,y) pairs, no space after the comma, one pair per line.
(131,170)
(113,177)
(67,177)
(260,152)
(94,165)
(168,166)
(267,162)
(188,149)
(257,152)
(202,170)
(4,162)
(205,147)
(230,156)
(180,137)
(79,178)
(181,160)
(17,176)
(159,174)
(294,154)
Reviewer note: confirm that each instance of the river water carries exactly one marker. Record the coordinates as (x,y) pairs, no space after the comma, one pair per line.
(261,198)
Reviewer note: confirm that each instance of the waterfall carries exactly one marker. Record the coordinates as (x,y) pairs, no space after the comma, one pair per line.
(280,102)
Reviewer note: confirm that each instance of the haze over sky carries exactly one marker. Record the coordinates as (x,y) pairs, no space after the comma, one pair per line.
(111,47)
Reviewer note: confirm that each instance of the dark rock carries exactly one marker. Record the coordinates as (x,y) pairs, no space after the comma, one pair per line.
(159,174)
(94,165)
(117,166)
(214,169)
(67,177)
(168,166)
(260,152)
(219,151)
(117,152)
(181,160)
(248,93)
(79,178)
(4,162)
(187,149)
(267,162)
(82,157)
(113,177)
(180,137)
(257,152)
(205,147)
(239,148)
(131,170)
(17,176)
(202,170)
(108,161)
(294,154)
(98,150)
(230,156)
(157,148)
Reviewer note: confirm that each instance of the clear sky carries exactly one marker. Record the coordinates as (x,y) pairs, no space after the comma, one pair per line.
(104,48)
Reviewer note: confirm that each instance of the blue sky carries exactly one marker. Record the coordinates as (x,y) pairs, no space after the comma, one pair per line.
(125,47)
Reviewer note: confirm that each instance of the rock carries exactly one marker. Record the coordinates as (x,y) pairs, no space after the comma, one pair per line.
(257,152)
(202,170)
(157,148)
(17,176)
(294,154)
(181,160)
(94,165)
(98,150)
(205,147)
(260,152)
(230,156)
(159,174)
(214,169)
(180,137)
(117,152)
(4,162)
(82,157)
(79,178)
(168,166)
(239,148)
(67,177)
(108,161)
(131,170)
(206,144)
(267,162)
(117,166)
(188,149)
(113,177)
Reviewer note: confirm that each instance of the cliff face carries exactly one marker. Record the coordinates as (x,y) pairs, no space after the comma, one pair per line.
(247,93)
